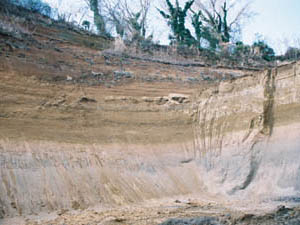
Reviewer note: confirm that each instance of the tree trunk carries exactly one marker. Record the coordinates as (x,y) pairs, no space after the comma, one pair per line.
(98,19)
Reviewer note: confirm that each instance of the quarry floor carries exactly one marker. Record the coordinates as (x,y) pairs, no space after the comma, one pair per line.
(157,211)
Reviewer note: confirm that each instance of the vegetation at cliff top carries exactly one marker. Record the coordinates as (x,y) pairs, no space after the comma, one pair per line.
(212,26)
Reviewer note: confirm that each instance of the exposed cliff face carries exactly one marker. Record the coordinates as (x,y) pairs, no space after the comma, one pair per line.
(46,177)
(248,135)
(243,141)
(72,143)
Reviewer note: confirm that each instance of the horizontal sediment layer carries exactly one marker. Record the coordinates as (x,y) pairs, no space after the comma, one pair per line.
(73,151)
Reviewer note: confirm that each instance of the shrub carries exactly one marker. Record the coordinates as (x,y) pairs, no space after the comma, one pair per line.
(34,5)
(86,24)
(267,53)
(241,49)
(292,53)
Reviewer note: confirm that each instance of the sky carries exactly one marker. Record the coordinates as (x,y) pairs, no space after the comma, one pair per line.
(277,21)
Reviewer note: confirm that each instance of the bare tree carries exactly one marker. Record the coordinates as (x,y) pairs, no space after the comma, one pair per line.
(126,18)
(176,16)
(226,17)
(115,16)
(292,48)
(95,6)
(138,20)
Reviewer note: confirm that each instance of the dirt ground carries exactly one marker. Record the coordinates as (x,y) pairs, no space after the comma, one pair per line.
(190,210)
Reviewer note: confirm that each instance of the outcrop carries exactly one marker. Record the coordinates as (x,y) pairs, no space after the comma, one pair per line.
(240,138)
(248,134)
(72,138)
